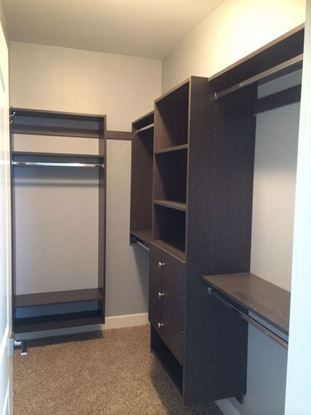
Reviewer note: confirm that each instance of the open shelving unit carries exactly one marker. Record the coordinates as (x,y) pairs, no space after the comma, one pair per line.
(36,311)
(141,179)
(204,132)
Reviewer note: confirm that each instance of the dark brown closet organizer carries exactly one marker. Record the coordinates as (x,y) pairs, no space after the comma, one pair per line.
(204,143)
(52,123)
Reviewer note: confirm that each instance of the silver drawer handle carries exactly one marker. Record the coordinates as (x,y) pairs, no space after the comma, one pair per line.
(160,325)
(160,294)
(161,264)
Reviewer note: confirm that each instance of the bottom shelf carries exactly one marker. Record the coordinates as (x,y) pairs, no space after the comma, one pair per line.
(57,321)
(175,247)
(167,359)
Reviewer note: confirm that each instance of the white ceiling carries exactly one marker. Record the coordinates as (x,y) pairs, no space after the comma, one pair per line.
(147,28)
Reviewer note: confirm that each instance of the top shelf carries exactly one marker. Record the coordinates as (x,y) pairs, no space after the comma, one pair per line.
(143,129)
(269,302)
(144,122)
(38,122)
(57,155)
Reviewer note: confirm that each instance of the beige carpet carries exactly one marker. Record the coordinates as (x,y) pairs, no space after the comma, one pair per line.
(114,375)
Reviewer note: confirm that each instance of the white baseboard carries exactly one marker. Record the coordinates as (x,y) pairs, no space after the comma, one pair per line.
(112,322)
(227,407)
(126,320)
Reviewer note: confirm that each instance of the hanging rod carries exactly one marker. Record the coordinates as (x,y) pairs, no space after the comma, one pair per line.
(278,339)
(265,74)
(143,246)
(56,164)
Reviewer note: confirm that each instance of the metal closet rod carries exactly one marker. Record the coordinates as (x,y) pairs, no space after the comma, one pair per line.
(261,76)
(265,330)
(56,164)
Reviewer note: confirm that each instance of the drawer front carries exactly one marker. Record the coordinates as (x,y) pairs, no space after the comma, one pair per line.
(155,287)
(171,268)
(155,314)
(174,339)
(172,308)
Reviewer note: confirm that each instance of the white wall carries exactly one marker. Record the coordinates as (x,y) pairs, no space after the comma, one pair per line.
(298,388)
(235,29)
(63,79)
(122,87)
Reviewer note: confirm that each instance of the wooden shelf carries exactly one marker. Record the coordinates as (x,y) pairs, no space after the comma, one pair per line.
(171,204)
(144,129)
(172,148)
(176,248)
(66,132)
(57,321)
(44,154)
(144,121)
(269,302)
(58,297)
(144,236)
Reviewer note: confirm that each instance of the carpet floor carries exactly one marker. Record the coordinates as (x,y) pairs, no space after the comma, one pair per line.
(113,375)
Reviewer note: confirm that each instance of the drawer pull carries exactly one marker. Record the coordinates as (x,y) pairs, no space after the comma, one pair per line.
(160,325)
(160,294)
(161,264)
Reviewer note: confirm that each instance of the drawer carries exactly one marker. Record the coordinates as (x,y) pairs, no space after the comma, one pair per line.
(172,308)
(155,314)
(169,267)
(174,339)
(155,287)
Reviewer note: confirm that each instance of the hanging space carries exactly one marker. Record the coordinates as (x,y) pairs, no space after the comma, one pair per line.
(58,195)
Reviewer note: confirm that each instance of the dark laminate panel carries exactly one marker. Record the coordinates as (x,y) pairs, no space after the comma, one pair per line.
(173,337)
(144,121)
(169,226)
(171,268)
(173,306)
(167,359)
(67,132)
(141,179)
(40,122)
(155,314)
(50,322)
(270,302)
(170,176)
(119,135)
(58,297)
(57,155)
(221,150)
(279,99)
(29,112)
(155,288)
(171,204)
(171,118)
(102,202)
(144,236)
(172,149)
(276,52)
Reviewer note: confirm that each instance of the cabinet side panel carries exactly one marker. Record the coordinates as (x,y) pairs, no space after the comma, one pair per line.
(221,163)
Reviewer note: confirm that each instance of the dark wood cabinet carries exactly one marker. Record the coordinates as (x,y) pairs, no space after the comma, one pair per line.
(203,166)
(166,298)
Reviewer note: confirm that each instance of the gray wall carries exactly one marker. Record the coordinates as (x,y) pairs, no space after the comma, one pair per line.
(126,292)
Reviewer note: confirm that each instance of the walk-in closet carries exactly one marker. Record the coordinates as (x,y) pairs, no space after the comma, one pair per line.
(154,167)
